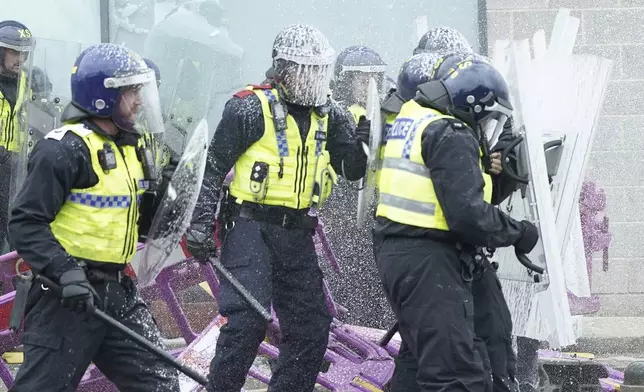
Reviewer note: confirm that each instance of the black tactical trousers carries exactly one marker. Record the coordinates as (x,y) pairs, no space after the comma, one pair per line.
(60,344)
(276,265)
(493,328)
(435,311)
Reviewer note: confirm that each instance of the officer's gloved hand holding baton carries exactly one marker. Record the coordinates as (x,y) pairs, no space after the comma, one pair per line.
(525,244)
(73,290)
(202,245)
(77,292)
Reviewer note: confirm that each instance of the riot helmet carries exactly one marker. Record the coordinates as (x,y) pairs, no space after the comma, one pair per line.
(447,63)
(302,59)
(15,44)
(414,72)
(443,40)
(110,81)
(155,68)
(354,67)
(474,92)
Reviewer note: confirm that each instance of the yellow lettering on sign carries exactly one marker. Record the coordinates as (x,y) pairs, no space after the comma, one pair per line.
(24,33)
(365,384)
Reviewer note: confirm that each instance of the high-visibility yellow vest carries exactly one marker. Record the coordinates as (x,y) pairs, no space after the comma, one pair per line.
(299,176)
(100,223)
(11,132)
(407,193)
(357,111)
(160,150)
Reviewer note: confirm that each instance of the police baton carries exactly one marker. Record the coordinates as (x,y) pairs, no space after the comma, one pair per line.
(241,290)
(523,259)
(149,346)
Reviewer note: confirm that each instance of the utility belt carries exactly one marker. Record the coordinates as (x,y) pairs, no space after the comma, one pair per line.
(474,261)
(286,218)
(24,299)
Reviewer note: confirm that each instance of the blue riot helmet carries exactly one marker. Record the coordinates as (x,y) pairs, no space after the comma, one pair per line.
(155,68)
(112,82)
(474,92)
(443,40)
(414,72)
(447,63)
(354,67)
(15,44)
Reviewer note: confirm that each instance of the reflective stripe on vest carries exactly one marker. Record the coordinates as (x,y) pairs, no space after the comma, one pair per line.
(100,223)
(299,176)
(11,135)
(407,193)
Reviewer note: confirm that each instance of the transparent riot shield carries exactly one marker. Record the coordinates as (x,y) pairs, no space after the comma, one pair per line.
(199,64)
(175,210)
(46,92)
(52,62)
(547,93)
(13,136)
(368,182)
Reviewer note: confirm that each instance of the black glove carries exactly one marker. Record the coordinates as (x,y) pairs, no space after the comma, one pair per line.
(168,170)
(200,241)
(363,130)
(77,293)
(529,238)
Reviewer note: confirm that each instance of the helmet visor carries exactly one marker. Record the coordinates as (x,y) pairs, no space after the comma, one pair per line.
(138,107)
(305,85)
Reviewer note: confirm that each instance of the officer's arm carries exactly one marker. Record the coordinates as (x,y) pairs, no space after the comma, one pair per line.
(53,169)
(241,125)
(347,155)
(504,185)
(452,156)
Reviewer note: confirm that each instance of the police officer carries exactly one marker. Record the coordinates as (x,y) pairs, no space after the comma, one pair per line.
(357,288)
(434,216)
(99,184)
(286,142)
(15,45)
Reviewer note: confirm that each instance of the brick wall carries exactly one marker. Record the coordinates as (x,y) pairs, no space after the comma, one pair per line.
(613,29)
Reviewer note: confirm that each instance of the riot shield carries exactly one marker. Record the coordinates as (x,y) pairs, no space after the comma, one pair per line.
(369,181)
(13,137)
(541,311)
(50,88)
(175,210)
(198,63)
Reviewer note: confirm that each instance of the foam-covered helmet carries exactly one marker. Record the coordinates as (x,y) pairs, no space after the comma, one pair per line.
(443,40)
(302,60)
(111,81)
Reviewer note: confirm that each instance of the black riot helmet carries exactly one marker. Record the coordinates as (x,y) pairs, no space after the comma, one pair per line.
(15,39)
(354,67)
